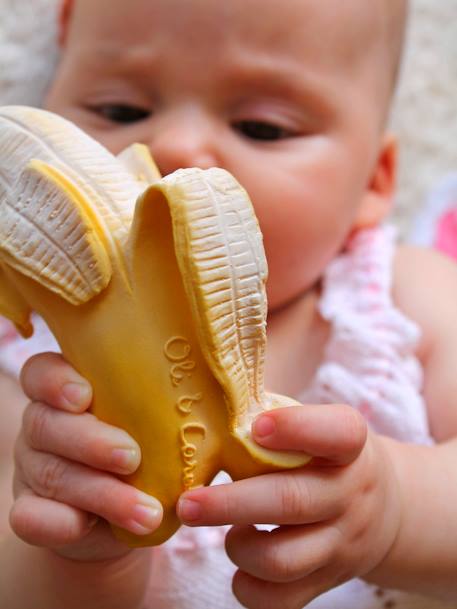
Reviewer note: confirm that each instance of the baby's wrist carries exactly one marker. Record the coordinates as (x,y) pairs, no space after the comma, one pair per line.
(54,582)
(386,571)
(109,582)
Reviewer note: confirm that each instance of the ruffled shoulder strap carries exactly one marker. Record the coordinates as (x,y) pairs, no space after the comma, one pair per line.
(359,281)
(370,360)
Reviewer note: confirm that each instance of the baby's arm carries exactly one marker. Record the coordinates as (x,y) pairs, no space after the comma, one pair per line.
(38,578)
(64,464)
(425,554)
(425,288)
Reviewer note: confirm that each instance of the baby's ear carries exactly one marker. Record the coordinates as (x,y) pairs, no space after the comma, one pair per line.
(65,11)
(379,196)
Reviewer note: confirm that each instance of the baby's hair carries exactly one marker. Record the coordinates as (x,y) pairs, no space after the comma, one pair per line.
(378,40)
(394,34)
(397,19)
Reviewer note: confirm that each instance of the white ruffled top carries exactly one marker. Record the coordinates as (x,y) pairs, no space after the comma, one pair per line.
(370,360)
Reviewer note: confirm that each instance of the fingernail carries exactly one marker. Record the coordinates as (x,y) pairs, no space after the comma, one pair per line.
(189,510)
(263,426)
(76,394)
(146,515)
(125,460)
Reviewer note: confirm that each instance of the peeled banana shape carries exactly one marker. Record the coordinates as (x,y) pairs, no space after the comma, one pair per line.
(155,290)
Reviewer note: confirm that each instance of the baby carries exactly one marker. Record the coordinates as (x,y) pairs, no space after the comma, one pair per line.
(292,98)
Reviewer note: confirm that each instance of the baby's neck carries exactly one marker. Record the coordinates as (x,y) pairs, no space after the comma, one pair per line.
(297,335)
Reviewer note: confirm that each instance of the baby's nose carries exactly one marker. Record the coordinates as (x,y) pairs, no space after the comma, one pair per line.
(183,140)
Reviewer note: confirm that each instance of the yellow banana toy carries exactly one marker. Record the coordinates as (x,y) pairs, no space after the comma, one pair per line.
(155,290)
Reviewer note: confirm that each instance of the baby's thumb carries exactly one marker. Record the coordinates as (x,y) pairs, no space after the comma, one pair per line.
(334,432)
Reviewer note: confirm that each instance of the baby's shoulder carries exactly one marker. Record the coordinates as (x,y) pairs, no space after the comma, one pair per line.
(422,268)
(424,287)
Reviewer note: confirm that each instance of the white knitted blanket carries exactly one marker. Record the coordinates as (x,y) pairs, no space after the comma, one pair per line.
(28,50)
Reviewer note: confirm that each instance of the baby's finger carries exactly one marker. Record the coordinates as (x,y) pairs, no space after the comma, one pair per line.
(301,496)
(43,522)
(334,432)
(255,593)
(84,439)
(48,378)
(90,490)
(280,555)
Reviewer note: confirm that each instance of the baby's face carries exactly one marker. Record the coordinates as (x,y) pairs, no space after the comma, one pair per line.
(281,94)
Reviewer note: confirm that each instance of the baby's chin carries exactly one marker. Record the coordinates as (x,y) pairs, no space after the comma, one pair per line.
(281,297)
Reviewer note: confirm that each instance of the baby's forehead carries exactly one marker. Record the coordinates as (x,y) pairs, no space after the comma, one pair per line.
(317,27)
(332,18)
(329,37)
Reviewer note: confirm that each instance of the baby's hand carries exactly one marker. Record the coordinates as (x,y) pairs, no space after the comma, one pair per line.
(65,458)
(339,515)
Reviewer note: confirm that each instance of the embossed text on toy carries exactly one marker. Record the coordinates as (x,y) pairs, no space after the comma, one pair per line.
(177,350)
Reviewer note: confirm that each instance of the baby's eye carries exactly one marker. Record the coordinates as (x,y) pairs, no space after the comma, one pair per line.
(258,130)
(122,113)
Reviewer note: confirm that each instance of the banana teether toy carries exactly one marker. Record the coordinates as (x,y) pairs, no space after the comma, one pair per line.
(155,291)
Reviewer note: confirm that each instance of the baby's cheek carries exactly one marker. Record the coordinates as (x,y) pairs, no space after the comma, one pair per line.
(292,271)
